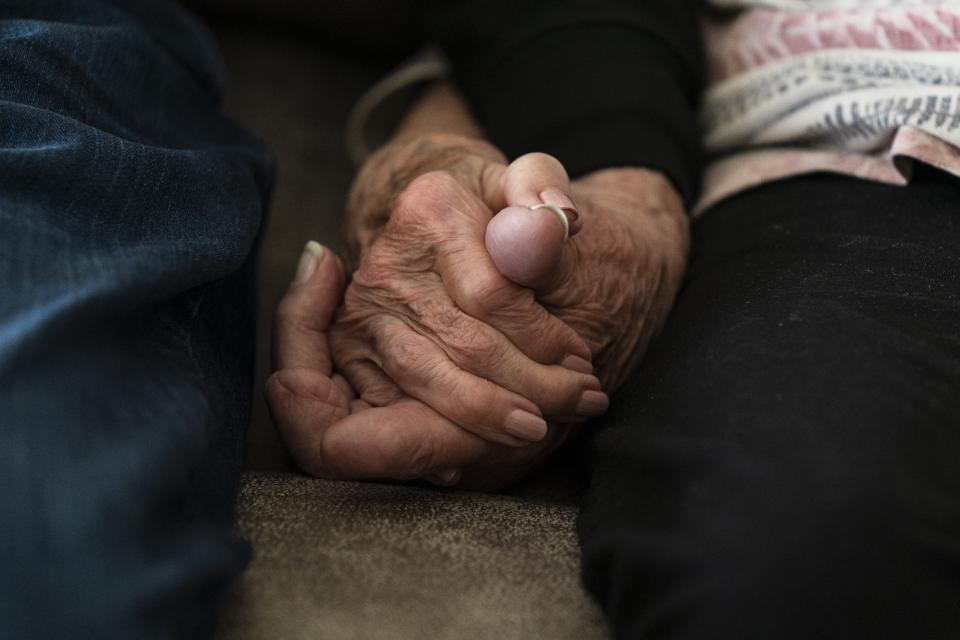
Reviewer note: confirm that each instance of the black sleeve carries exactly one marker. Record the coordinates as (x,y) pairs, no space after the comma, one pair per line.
(596,83)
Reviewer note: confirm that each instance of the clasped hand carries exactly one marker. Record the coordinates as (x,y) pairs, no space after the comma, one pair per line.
(435,364)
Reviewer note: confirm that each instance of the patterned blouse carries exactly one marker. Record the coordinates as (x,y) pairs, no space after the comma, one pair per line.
(859,87)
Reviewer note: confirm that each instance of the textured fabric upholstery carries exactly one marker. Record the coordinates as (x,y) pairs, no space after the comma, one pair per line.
(353,560)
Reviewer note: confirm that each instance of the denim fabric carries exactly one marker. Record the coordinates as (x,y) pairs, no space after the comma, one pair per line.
(129,210)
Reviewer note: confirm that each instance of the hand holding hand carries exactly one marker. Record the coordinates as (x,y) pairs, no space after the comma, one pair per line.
(429,316)
(333,434)
(614,283)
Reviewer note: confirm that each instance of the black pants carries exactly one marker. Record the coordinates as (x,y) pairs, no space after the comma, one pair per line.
(786,462)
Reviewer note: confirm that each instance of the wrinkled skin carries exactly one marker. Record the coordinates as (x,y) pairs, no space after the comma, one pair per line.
(416,300)
(429,315)
(630,258)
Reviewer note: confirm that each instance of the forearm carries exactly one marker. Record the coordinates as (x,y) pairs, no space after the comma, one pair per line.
(595,84)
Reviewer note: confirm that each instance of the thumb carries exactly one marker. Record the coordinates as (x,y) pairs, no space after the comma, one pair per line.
(528,240)
(306,311)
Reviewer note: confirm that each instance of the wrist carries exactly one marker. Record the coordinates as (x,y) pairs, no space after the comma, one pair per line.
(439,110)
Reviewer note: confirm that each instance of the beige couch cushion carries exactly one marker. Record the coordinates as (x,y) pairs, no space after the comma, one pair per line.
(378,562)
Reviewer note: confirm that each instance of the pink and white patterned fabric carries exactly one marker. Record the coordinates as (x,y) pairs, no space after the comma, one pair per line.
(864,88)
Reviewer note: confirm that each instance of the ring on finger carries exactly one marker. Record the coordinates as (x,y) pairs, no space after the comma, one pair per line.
(564,213)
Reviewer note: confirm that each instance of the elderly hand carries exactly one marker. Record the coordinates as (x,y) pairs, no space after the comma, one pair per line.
(614,282)
(428,315)
(327,429)
(333,434)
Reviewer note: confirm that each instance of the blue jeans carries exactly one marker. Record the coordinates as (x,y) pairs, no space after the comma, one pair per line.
(129,211)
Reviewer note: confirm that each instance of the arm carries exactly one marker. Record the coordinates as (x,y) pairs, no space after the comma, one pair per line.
(597,84)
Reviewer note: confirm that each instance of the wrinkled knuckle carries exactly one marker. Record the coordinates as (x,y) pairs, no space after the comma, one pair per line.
(557,340)
(430,187)
(420,202)
(376,267)
(403,355)
(482,293)
(475,351)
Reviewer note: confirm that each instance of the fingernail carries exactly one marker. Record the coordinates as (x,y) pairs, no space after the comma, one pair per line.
(309,260)
(592,403)
(525,426)
(552,195)
(576,363)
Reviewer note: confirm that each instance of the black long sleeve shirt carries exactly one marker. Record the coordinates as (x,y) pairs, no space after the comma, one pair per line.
(596,83)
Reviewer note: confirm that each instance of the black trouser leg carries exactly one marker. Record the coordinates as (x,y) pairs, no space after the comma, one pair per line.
(786,462)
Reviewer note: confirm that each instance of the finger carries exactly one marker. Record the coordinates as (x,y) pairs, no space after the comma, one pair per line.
(476,284)
(474,346)
(358,405)
(490,389)
(403,441)
(538,178)
(473,281)
(528,248)
(529,245)
(352,357)
(469,273)
(423,370)
(372,384)
(344,386)
(531,179)
(304,403)
(306,310)
(529,337)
